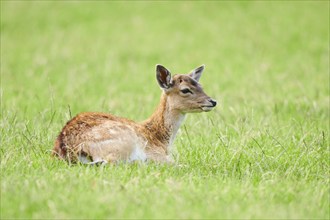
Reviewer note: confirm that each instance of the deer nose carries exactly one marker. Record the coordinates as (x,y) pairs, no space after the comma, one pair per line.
(213,102)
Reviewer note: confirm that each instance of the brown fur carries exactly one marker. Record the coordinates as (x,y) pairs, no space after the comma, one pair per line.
(111,138)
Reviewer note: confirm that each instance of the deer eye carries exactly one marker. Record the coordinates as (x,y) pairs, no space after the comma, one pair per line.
(185,91)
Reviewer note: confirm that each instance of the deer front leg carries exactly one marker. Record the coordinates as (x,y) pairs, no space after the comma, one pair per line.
(159,156)
(114,150)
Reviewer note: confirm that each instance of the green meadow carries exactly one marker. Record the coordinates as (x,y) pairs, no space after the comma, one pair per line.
(263,153)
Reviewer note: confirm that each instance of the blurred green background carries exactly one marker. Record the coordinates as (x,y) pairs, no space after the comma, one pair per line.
(68,49)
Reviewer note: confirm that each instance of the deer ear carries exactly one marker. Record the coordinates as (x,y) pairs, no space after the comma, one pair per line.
(197,73)
(163,76)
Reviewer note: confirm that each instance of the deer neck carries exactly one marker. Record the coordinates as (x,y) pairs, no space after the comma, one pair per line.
(163,124)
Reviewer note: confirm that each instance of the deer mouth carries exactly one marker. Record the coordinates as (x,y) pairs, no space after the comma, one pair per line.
(207,108)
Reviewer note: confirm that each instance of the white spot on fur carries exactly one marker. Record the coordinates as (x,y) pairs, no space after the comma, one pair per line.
(137,154)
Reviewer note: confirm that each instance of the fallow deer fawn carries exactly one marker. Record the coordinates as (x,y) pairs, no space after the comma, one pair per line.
(105,138)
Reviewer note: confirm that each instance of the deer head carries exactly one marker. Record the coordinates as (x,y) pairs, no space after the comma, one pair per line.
(183,91)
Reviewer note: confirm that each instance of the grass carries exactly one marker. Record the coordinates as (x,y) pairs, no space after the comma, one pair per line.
(263,153)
